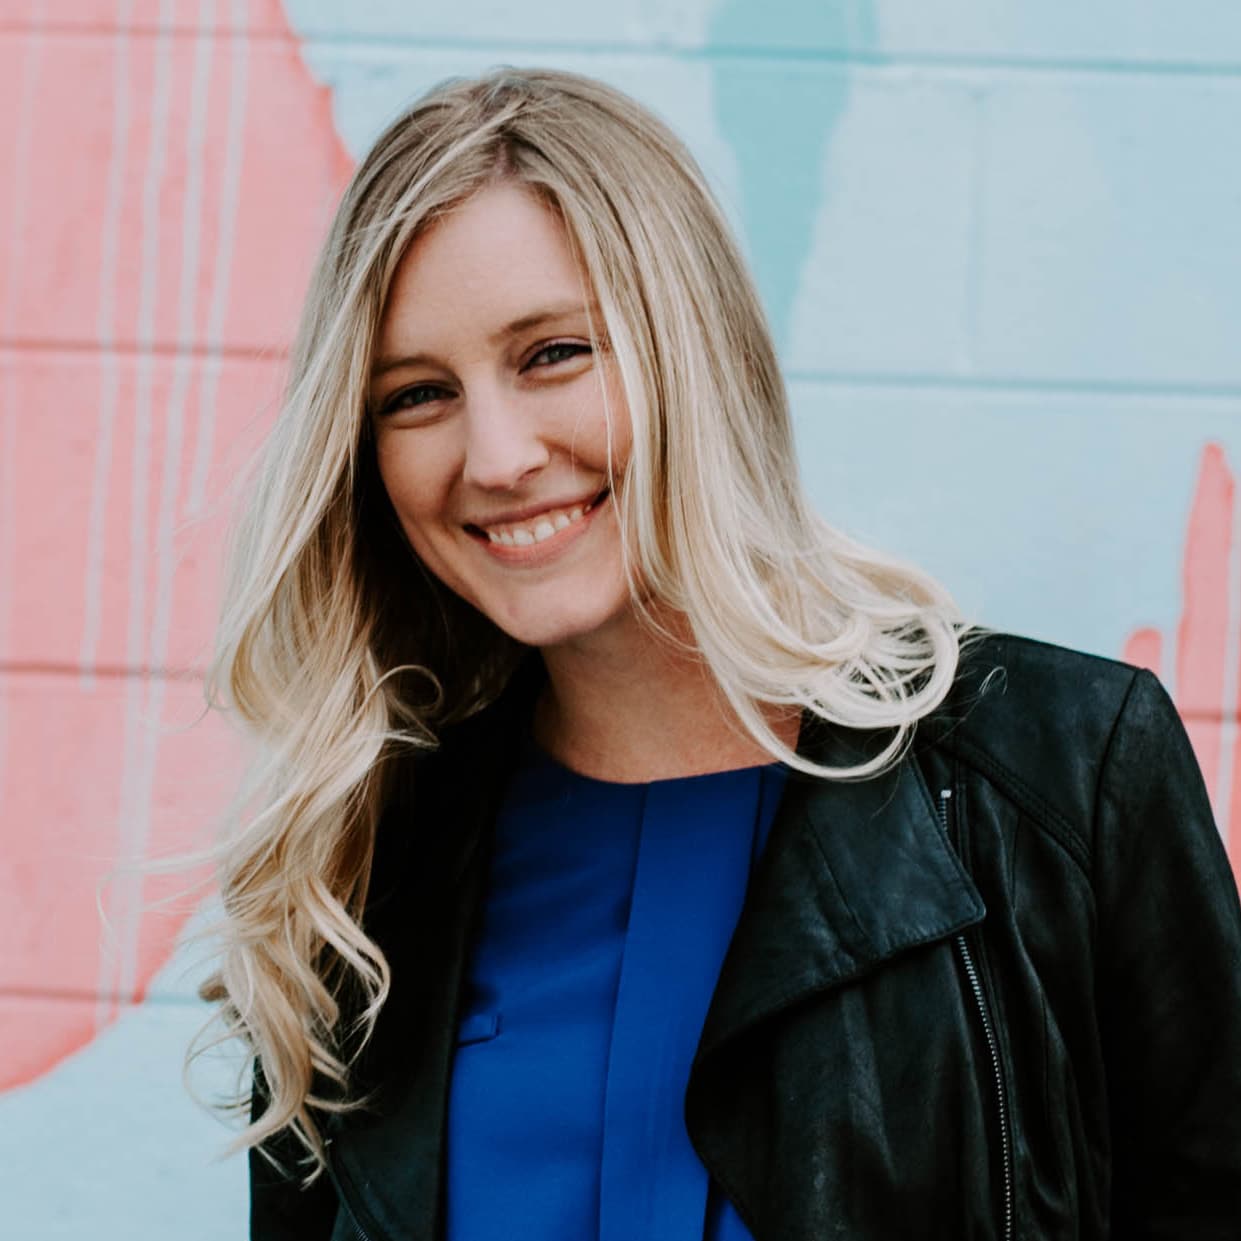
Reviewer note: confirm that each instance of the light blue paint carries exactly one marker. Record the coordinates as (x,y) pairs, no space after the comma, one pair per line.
(887,283)
(845,25)
(1111,247)
(1120,33)
(501,24)
(1058,515)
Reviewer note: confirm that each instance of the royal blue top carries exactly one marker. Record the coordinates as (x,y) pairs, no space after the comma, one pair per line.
(608,914)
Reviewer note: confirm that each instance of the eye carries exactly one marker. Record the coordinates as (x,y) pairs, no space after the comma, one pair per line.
(408,398)
(558,351)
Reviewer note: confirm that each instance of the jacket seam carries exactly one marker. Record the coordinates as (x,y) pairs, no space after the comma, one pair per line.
(863,940)
(1045,815)
(1105,765)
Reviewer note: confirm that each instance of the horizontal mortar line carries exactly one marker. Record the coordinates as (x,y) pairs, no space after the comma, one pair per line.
(120,672)
(1085,387)
(83,995)
(1108,387)
(947,61)
(748,54)
(133,348)
(104,672)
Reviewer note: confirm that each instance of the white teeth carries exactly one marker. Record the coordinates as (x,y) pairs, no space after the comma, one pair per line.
(544,527)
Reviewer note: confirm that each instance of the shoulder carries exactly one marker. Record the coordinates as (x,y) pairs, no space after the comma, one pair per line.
(1041,721)
(1015,693)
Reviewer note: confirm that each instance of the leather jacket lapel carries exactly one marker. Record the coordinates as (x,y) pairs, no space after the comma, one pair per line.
(854,873)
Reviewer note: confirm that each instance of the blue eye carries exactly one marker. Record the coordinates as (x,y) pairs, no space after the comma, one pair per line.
(407,398)
(561,351)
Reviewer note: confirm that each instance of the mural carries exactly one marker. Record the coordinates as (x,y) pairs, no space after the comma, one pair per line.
(965,319)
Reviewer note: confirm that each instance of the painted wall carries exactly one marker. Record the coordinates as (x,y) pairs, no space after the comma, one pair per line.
(999,241)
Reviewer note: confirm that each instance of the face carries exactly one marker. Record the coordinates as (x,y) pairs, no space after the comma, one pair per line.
(488,408)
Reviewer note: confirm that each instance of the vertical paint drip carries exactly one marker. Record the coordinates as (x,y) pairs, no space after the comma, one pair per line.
(1203,633)
(170,487)
(32,62)
(221,273)
(125,890)
(1228,782)
(96,527)
(1144,649)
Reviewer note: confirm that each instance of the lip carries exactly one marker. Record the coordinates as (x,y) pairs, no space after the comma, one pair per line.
(540,553)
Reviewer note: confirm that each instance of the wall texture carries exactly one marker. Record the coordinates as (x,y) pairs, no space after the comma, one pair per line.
(998,241)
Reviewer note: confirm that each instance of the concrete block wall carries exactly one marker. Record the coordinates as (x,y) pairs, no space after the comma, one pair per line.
(1000,245)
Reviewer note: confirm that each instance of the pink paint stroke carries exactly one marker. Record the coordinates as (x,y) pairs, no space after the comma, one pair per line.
(256,203)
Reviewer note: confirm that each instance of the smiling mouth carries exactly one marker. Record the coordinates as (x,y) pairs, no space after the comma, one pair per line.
(536,529)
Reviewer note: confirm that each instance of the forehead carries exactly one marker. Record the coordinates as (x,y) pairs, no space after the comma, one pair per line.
(498,256)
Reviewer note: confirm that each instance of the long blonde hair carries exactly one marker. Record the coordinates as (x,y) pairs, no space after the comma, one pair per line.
(336,672)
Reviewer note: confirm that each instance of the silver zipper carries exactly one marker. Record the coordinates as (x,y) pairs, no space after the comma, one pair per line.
(360,1233)
(980,1001)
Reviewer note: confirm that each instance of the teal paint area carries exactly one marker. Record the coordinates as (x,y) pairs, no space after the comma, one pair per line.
(779,119)
(778,122)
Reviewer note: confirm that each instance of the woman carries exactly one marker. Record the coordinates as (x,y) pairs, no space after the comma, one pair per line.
(633,854)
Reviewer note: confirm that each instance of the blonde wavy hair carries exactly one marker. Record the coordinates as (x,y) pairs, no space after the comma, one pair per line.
(337,674)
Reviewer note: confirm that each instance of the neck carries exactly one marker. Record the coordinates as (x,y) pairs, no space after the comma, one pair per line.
(629,706)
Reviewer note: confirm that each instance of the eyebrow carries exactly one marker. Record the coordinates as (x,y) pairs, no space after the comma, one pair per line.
(538,318)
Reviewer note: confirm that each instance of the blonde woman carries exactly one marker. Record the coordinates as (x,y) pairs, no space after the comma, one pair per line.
(632,855)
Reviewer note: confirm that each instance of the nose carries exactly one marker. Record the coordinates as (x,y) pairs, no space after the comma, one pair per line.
(503,444)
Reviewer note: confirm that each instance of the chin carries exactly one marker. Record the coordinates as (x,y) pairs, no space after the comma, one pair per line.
(555,627)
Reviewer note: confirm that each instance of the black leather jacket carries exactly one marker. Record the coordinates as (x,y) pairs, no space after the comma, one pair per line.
(994,993)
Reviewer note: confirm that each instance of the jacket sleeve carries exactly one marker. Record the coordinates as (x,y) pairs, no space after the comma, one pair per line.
(280,1209)
(1169,980)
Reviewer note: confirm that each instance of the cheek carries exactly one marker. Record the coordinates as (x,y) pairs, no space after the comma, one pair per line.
(415,481)
(622,425)
(418,489)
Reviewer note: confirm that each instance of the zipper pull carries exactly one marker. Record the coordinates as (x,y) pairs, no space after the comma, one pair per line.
(944,795)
